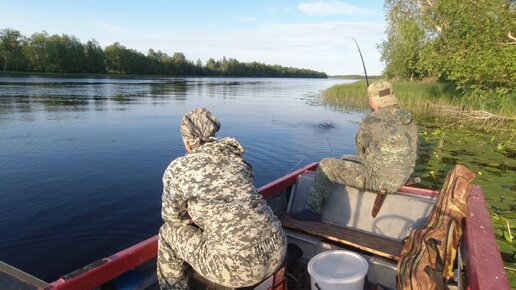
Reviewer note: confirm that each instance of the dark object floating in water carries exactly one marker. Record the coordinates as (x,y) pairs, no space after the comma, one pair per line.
(326,125)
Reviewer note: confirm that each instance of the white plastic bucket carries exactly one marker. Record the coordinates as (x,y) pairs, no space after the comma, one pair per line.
(337,270)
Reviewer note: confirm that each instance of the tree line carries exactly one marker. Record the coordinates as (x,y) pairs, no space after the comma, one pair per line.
(470,44)
(42,52)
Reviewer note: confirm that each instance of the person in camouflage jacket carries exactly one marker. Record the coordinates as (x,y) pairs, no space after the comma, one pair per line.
(214,220)
(386,147)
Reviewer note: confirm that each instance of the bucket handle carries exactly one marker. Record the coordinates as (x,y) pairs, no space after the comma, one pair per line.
(317,286)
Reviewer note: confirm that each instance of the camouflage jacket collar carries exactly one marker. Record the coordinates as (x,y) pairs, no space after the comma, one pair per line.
(394,113)
(228,145)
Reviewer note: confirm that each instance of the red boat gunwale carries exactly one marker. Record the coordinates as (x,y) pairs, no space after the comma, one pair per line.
(116,265)
(484,270)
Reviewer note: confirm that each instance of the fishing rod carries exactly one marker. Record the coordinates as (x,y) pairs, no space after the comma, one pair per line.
(363,65)
(367,83)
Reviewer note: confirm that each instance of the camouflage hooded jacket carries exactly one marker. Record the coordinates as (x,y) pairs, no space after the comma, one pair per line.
(214,186)
(386,143)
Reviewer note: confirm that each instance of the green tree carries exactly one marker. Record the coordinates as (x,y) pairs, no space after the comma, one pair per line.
(65,54)
(178,64)
(157,61)
(405,38)
(473,42)
(468,43)
(198,63)
(117,58)
(120,59)
(211,66)
(11,48)
(36,51)
(95,57)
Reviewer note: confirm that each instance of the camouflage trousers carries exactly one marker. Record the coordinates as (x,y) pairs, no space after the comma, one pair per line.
(348,171)
(182,248)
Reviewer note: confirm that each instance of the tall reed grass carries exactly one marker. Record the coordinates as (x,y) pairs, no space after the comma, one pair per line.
(429,102)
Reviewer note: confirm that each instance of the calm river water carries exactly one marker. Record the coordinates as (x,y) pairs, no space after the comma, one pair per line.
(81,159)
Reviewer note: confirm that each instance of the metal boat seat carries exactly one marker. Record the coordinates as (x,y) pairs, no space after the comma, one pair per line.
(349,207)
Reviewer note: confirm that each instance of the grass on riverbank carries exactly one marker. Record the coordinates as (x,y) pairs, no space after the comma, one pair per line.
(434,102)
(449,136)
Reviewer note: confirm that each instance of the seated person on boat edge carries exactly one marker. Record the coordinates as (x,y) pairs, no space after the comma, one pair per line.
(386,144)
(214,220)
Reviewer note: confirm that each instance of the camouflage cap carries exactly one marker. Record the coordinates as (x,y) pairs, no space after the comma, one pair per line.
(199,124)
(382,94)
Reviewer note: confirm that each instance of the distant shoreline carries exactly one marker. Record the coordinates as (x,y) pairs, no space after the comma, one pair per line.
(130,76)
(354,77)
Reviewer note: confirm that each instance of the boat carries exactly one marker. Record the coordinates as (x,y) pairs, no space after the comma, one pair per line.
(346,225)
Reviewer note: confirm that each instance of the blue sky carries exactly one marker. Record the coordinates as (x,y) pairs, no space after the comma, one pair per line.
(305,33)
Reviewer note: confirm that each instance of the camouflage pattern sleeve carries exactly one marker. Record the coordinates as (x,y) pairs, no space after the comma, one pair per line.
(362,138)
(174,204)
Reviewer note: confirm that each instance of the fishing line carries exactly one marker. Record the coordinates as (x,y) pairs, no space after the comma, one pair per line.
(331,148)
(291,169)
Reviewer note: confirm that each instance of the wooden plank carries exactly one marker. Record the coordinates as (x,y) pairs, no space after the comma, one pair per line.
(366,242)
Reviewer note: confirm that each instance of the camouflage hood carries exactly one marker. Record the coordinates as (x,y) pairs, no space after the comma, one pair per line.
(402,116)
(394,114)
(199,124)
(223,146)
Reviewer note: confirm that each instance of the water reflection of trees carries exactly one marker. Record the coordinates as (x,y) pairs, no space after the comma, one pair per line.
(18,104)
(122,100)
(99,103)
(23,105)
(8,105)
(175,89)
(56,103)
(63,103)
(29,104)
(100,96)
